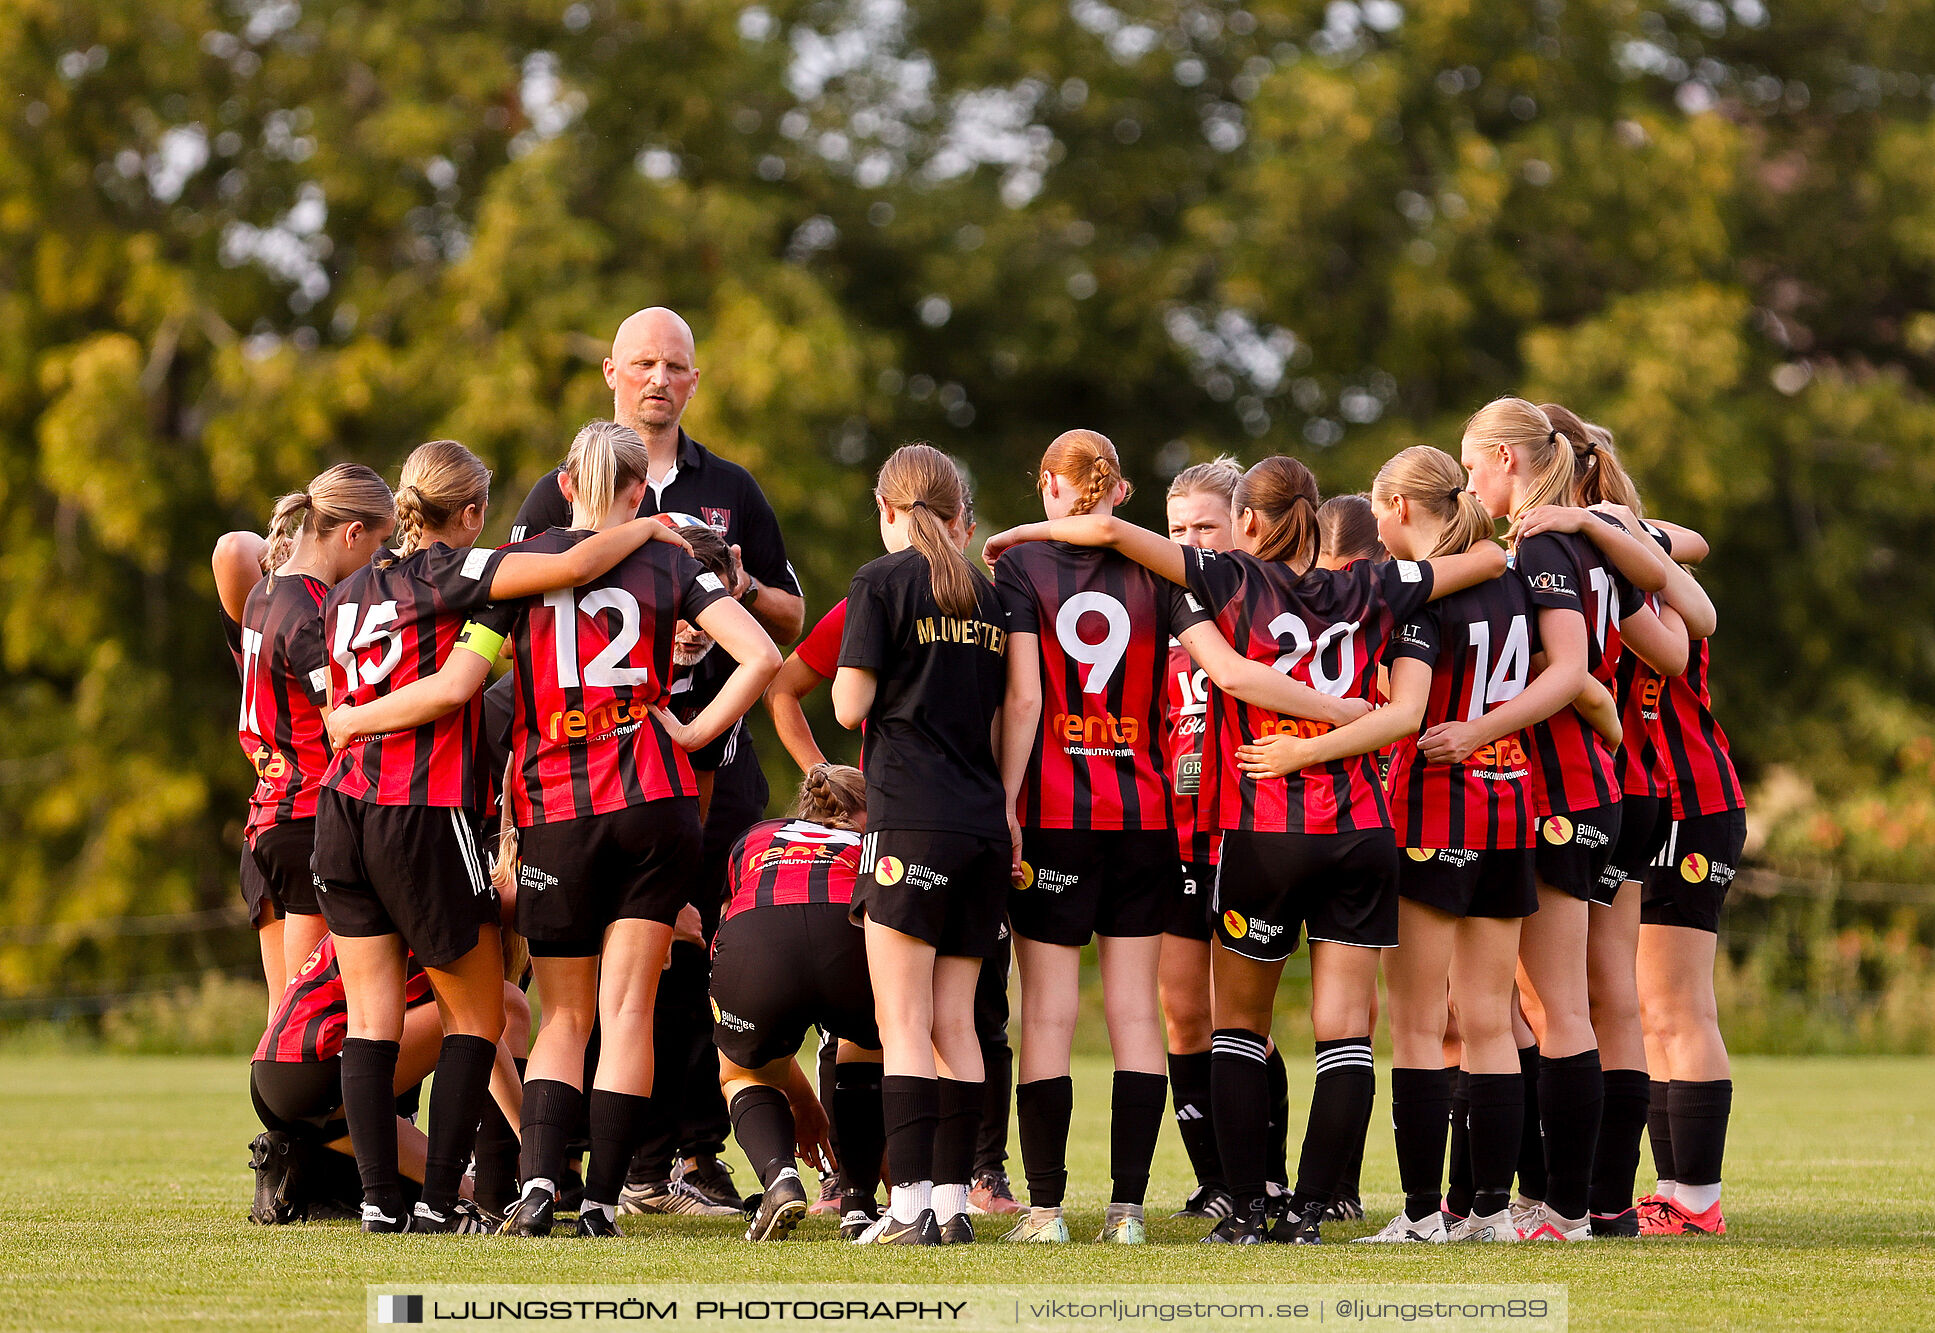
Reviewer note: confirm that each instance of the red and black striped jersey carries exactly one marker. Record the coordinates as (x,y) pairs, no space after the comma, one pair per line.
(590,662)
(1103,623)
(1479,644)
(232,635)
(1185,719)
(389,625)
(1640,767)
(313,1017)
(285,685)
(782,861)
(1699,765)
(1572,768)
(1325,628)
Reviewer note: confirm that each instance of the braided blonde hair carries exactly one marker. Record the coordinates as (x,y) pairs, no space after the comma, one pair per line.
(834,795)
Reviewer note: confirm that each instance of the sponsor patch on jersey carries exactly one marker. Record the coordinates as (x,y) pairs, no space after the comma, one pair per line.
(889,870)
(1189,775)
(1557,829)
(710,582)
(1420,853)
(1412,634)
(474,563)
(530,877)
(1408,571)
(1694,867)
(717,519)
(319,680)
(1236,924)
(1055,881)
(1548,581)
(730,1021)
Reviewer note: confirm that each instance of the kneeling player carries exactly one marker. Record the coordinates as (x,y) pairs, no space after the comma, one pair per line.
(789,886)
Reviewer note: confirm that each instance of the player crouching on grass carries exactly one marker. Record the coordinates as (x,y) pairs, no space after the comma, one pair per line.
(789,886)
(304,1165)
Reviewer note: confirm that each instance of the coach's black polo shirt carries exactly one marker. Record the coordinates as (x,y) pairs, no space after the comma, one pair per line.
(724,496)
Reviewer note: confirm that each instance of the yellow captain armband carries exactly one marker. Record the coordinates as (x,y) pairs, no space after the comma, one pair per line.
(486,642)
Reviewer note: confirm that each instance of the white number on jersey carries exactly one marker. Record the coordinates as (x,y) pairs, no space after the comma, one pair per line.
(601,672)
(251,660)
(379,627)
(1494,685)
(1342,636)
(1102,658)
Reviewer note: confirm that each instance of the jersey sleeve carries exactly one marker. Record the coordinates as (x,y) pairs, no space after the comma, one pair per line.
(699,587)
(1419,637)
(1550,573)
(309,661)
(1214,579)
(461,579)
(1016,597)
(1631,599)
(1405,586)
(821,648)
(1182,611)
(868,637)
(762,550)
(543,508)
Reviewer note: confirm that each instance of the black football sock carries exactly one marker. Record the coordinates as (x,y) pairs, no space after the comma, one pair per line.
(997,1090)
(1136,1103)
(1458,1179)
(1420,1116)
(1042,1110)
(617,1120)
(1531,1148)
(1699,1112)
(1615,1160)
(1572,1092)
(1279,1144)
(1189,1091)
(369,1105)
(497,1155)
(551,1111)
(912,1109)
(457,1096)
(1495,1119)
(1340,1113)
(1239,1091)
(863,1132)
(1659,1128)
(956,1130)
(762,1121)
(828,1078)
(658,1140)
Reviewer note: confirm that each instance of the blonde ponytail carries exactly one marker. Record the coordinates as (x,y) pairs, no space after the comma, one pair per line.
(440,480)
(1520,426)
(605,458)
(1433,482)
(923,483)
(346,493)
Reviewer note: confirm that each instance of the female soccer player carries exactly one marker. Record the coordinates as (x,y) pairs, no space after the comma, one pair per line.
(1692,1092)
(789,886)
(1466,877)
(396,846)
(1519,463)
(1315,847)
(921,666)
(296,1081)
(318,536)
(606,806)
(1347,532)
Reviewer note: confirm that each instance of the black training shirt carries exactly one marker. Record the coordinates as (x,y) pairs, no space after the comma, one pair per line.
(940,679)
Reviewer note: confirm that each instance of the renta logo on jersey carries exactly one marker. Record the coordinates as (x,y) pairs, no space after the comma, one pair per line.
(1301,727)
(1500,761)
(1091,732)
(1650,690)
(270,765)
(614,717)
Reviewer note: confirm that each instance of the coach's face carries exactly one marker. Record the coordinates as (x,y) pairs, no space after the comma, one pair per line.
(651,371)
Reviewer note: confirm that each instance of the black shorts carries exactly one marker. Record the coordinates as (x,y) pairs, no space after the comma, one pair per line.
(1079,883)
(282,853)
(1339,887)
(1488,882)
(948,889)
(577,876)
(255,890)
(1186,913)
(777,971)
(409,870)
(302,1098)
(1643,822)
(1688,881)
(1574,847)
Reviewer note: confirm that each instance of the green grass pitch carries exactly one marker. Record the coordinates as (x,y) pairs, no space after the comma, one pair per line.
(126,1197)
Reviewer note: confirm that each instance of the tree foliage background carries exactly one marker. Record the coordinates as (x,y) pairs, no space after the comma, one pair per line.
(243,239)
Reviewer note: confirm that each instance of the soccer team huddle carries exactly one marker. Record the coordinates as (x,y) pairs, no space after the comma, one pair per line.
(1487,770)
